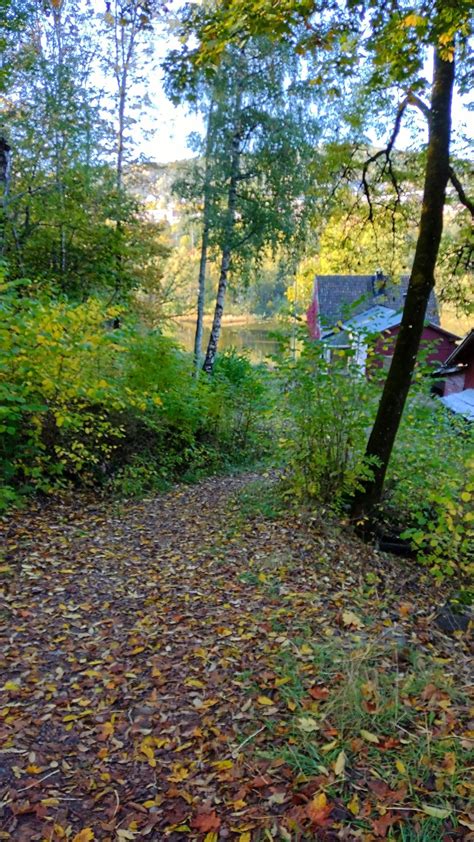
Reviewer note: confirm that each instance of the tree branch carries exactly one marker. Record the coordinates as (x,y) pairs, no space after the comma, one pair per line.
(415,100)
(465,200)
(387,166)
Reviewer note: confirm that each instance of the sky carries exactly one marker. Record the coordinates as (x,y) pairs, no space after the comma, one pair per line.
(166,128)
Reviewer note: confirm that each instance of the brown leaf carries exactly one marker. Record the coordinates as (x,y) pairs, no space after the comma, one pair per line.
(318,693)
(381,825)
(206,822)
(318,810)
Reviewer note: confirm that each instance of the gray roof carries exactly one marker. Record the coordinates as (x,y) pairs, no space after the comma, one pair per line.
(374,320)
(462,403)
(342,297)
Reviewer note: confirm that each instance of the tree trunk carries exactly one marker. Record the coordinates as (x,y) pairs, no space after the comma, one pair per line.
(211,352)
(5,169)
(201,290)
(397,384)
(204,246)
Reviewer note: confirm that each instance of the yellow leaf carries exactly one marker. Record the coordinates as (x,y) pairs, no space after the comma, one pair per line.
(85,835)
(147,750)
(436,812)
(401,767)
(223,764)
(413,20)
(211,836)
(307,724)
(193,682)
(245,837)
(449,763)
(106,730)
(305,649)
(370,738)
(340,763)
(354,805)
(329,746)
(351,619)
(265,700)
(10,685)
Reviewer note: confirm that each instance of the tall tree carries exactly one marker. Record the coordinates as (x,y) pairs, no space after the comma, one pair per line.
(260,155)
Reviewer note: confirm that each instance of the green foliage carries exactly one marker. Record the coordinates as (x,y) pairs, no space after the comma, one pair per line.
(327,408)
(430,487)
(83,403)
(239,401)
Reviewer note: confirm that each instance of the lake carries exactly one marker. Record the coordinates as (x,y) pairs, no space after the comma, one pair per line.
(253,337)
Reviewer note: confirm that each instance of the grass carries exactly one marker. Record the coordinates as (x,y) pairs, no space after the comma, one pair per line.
(392,717)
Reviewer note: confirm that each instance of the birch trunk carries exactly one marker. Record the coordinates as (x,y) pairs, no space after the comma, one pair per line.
(204,246)
(211,352)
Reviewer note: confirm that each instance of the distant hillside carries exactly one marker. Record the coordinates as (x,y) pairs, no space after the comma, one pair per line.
(152,184)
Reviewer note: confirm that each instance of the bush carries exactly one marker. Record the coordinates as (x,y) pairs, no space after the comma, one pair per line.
(327,410)
(430,487)
(86,404)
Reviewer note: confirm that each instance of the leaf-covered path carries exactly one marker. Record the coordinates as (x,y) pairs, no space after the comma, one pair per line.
(155,656)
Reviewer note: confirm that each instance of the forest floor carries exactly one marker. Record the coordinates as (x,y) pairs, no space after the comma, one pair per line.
(202,666)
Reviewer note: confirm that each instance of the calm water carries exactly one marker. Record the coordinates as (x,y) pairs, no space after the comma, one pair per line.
(252,337)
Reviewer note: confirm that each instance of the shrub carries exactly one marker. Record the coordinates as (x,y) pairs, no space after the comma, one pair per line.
(430,487)
(327,408)
(83,403)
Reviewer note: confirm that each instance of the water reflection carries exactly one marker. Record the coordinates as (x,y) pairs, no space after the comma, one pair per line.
(253,337)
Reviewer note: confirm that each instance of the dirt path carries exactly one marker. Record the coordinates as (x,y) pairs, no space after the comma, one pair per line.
(140,647)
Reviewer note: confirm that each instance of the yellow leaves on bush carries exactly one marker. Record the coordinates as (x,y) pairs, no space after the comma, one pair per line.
(414,20)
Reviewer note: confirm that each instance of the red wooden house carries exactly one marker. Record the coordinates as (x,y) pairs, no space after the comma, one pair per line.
(359,312)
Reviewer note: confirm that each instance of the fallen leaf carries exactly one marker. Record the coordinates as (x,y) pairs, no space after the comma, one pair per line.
(206,822)
(436,812)
(351,619)
(381,825)
(85,835)
(319,809)
(340,763)
(318,693)
(370,738)
(307,724)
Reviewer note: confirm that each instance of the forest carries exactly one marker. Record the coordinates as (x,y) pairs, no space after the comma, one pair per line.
(235,588)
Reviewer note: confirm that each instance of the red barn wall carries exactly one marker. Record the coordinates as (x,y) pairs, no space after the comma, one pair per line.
(444,343)
(469,376)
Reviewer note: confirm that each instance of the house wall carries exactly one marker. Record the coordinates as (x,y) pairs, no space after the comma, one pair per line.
(453,383)
(469,376)
(444,344)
